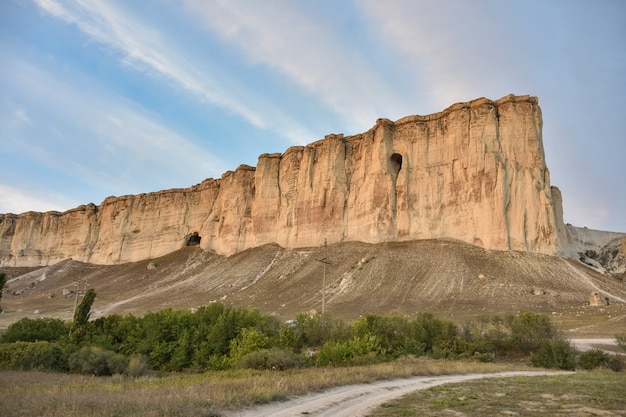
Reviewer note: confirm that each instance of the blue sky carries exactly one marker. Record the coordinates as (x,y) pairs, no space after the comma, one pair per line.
(101,98)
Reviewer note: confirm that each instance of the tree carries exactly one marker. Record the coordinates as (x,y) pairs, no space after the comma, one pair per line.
(82,314)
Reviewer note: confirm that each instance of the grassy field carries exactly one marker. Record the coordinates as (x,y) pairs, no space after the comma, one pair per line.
(597,393)
(210,394)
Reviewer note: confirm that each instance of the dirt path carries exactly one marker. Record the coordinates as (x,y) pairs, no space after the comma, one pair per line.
(607,345)
(359,400)
(587,344)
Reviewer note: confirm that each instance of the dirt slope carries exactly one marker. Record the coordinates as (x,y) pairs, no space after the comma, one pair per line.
(448,277)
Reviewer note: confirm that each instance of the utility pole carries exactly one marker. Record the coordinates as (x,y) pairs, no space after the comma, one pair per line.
(325,262)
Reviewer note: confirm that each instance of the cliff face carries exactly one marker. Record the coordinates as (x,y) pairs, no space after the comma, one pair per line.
(475,172)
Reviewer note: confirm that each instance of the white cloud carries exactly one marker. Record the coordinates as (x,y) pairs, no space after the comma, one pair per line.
(308,51)
(15,200)
(20,116)
(158,53)
(459,50)
(146,48)
(98,137)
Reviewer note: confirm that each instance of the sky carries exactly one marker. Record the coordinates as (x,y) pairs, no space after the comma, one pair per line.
(116,97)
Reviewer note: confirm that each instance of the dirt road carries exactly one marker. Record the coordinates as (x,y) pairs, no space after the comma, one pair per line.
(587,344)
(359,400)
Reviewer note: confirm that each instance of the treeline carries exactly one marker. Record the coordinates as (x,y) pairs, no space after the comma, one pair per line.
(218,337)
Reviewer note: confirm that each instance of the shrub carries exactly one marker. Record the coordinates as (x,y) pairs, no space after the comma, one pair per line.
(620,340)
(313,329)
(137,366)
(431,335)
(31,356)
(484,357)
(530,331)
(554,353)
(249,341)
(594,358)
(117,364)
(32,330)
(92,360)
(358,350)
(617,363)
(275,358)
(597,358)
(333,353)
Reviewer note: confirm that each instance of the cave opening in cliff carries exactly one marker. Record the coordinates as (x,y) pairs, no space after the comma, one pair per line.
(193,239)
(396,163)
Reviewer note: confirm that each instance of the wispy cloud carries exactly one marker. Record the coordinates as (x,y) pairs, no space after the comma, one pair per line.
(145,48)
(17,200)
(158,53)
(111,143)
(309,52)
(451,46)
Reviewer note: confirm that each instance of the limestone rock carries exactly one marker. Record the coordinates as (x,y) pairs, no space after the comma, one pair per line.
(597,300)
(538,291)
(475,172)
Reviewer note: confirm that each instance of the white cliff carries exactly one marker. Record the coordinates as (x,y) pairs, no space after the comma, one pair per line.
(475,172)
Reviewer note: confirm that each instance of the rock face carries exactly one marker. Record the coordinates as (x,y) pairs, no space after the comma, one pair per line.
(475,172)
(597,300)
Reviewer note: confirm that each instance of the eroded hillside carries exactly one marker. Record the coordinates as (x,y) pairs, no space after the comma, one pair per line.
(444,276)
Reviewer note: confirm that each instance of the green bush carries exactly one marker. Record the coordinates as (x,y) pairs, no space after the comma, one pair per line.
(92,360)
(117,364)
(597,358)
(617,363)
(555,353)
(620,340)
(217,337)
(313,329)
(33,356)
(137,366)
(360,349)
(484,357)
(333,353)
(32,330)
(274,358)
(594,358)
(250,340)
(509,336)
(530,331)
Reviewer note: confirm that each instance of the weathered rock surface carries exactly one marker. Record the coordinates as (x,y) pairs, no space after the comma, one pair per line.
(601,250)
(598,300)
(475,172)
(443,276)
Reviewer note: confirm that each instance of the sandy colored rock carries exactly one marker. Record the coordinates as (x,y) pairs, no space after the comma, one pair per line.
(597,300)
(475,172)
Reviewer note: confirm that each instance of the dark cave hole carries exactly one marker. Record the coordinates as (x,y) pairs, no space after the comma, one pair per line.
(396,163)
(194,239)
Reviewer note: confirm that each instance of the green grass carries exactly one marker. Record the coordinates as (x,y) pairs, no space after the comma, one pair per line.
(597,393)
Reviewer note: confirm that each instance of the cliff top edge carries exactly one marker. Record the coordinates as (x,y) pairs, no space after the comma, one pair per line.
(211,182)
